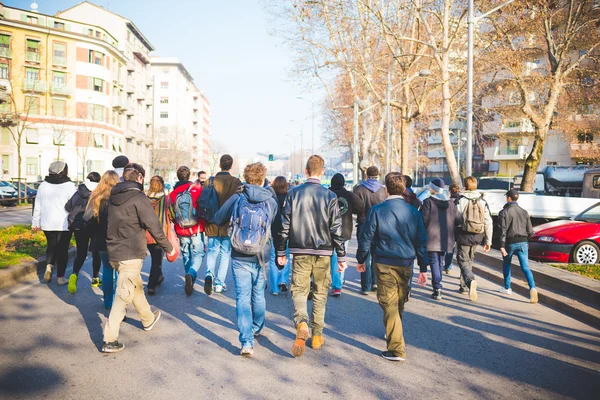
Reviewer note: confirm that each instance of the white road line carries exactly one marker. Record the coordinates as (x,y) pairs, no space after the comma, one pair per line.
(20,290)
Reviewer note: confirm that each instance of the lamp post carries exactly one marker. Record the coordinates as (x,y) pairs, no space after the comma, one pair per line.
(293,151)
(471,20)
(313,122)
(301,141)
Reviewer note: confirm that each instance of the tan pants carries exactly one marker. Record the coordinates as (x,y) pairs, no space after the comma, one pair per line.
(130,289)
(392,288)
(302,268)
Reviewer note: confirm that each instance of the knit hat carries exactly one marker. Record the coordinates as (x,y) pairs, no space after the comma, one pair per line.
(338,181)
(56,167)
(120,162)
(437,185)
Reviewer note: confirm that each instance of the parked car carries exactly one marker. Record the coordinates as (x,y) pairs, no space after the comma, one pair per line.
(8,194)
(26,191)
(574,240)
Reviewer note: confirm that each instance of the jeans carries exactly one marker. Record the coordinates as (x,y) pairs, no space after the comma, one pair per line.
(249,280)
(218,258)
(437,261)
(337,278)
(192,250)
(521,250)
(448,261)
(82,240)
(109,280)
(57,250)
(156,255)
(465,253)
(276,276)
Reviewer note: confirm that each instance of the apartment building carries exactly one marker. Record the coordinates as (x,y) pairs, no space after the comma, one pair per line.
(58,74)
(182,118)
(131,80)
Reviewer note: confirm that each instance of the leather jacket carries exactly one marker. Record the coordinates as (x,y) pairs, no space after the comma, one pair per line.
(311,222)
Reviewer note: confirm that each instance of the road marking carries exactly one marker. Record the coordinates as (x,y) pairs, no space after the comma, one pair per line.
(20,290)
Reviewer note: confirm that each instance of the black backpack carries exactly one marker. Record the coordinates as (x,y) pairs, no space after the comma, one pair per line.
(75,218)
(208,202)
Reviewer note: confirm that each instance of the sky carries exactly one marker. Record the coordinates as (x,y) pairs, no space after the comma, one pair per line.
(243,70)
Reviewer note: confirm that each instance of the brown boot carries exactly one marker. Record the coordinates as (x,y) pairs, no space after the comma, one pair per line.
(301,338)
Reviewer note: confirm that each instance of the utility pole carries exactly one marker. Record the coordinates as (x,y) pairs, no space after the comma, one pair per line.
(355,150)
(470,23)
(388,136)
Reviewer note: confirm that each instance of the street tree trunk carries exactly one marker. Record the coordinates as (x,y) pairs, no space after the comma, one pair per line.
(404,140)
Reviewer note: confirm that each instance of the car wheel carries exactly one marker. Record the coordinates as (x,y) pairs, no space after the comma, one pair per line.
(586,253)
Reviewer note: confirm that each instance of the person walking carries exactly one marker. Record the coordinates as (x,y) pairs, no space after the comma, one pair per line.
(515,231)
(202,178)
(395,234)
(371,192)
(130,214)
(119,163)
(50,216)
(349,204)
(312,228)
(250,213)
(279,275)
(219,246)
(189,227)
(76,209)
(160,203)
(454,190)
(441,218)
(476,228)
(96,218)
(409,194)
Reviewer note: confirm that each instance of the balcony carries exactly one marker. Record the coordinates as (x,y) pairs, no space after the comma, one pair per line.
(130,66)
(32,57)
(438,153)
(30,85)
(513,153)
(130,87)
(437,168)
(150,82)
(118,102)
(60,89)
(140,94)
(5,52)
(585,151)
(60,61)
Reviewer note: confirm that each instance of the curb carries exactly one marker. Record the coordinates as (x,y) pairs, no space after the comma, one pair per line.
(25,271)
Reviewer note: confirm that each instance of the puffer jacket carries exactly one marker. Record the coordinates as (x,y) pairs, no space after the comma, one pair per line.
(395,234)
(130,214)
(49,212)
(467,238)
(371,192)
(311,222)
(441,218)
(515,224)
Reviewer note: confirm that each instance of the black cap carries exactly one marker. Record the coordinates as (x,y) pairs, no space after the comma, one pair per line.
(513,194)
(120,162)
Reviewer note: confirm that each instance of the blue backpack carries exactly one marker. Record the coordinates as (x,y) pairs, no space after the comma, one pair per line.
(185,214)
(250,226)
(208,202)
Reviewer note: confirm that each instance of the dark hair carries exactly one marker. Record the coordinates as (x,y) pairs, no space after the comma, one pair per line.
(65,171)
(372,171)
(226,162)
(200,173)
(280,185)
(133,171)
(93,177)
(408,181)
(183,173)
(395,183)
(513,195)
(315,165)
(470,183)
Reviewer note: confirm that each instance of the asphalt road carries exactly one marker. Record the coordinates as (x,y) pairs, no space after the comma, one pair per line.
(15,216)
(496,348)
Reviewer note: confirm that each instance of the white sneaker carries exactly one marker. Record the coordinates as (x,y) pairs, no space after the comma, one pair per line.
(61,281)
(504,290)
(48,273)
(533,296)
(247,351)
(218,289)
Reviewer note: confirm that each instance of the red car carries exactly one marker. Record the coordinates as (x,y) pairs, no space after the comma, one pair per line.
(574,240)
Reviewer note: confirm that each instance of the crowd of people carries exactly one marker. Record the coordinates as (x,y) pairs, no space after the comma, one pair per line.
(293,238)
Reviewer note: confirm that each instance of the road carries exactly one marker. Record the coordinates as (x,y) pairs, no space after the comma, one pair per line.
(496,348)
(15,216)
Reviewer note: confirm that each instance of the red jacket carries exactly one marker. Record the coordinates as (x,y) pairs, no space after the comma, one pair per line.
(195,192)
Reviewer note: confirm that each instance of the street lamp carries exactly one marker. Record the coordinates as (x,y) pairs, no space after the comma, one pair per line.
(313,122)
(301,141)
(293,151)
(471,21)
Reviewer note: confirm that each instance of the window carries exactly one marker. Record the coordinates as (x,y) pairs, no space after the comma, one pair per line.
(164,114)
(98,85)
(96,112)
(164,100)
(33,46)
(3,71)
(31,166)
(5,46)
(512,124)
(5,163)
(59,79)
(95,57)
(32,20)
(91,32)
(59,107)
(32,105)
(164,130)
(98,34)
(98,140)
(32,74)
(58,138)
(551,163)
(31,136)
(595,183)
(5,138)
(59,25)
(164,85)
(128,36)
(60,53)
(584,137)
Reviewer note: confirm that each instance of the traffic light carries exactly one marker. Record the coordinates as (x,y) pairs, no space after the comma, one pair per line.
(270,157)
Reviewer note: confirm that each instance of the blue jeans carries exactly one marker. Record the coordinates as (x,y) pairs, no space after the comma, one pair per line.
(276,276)
(219,249)
(448,261)
(192,250)
(521,250)
(249,280)
(437,261)
(337,278)
(109,280)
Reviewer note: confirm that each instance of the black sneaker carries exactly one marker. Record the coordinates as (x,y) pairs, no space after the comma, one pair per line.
(151,291)
(463,290)
(112,347)
(161,279)
(388,355)
(189,284)
(437,294)
(157,315)
(208,284)
(283,288)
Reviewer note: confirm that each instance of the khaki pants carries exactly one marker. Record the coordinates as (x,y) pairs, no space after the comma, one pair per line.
(130,289)
(392,288)
(302,268)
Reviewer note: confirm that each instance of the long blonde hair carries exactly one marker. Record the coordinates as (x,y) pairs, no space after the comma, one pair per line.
(157,186)
(100,194)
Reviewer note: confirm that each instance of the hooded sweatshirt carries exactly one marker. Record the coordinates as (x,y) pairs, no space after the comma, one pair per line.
(348,202)
(471,239)
(254,194)
(49,212)
(441,218)
(130,214)
(77,203)
(371,192)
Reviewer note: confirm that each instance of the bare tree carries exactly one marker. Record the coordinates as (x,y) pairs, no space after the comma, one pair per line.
(170,150)
(216,150)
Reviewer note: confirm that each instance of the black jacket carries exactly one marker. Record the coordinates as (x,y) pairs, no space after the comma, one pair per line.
(515,224)
(76,207)
(276,226)
(349,204)
(98,228)
(441,218)
(130,214)
(311,222)
(371,192)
